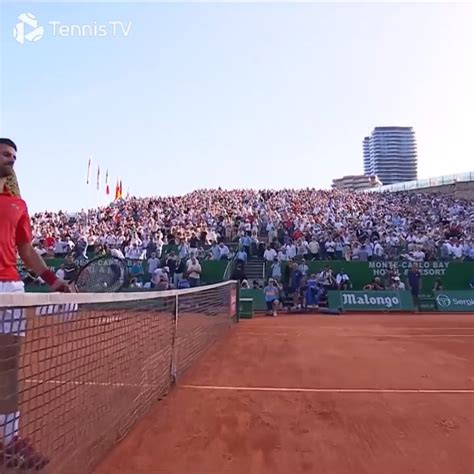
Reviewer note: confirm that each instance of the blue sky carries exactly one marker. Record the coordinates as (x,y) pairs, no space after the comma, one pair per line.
(201,95)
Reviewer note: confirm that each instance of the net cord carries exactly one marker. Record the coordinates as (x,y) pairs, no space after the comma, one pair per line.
(24,300)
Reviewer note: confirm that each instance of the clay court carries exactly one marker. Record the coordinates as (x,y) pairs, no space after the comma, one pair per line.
(86,376)
(352,394)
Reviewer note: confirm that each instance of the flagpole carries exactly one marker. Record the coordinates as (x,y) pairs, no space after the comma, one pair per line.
(88,197)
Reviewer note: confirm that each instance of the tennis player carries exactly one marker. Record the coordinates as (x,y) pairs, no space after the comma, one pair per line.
(15,236)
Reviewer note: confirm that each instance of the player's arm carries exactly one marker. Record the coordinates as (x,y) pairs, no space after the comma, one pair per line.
(34,262)
(30,257)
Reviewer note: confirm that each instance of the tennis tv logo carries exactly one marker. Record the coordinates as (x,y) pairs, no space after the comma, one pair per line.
(27,29)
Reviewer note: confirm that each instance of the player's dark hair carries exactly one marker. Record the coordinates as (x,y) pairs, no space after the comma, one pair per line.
(8,142)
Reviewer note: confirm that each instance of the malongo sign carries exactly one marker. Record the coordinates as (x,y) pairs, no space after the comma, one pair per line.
(371,300)
(351,299)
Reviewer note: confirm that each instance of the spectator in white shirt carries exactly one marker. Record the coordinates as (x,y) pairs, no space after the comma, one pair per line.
(466,248)
(60,272)
(133,252)
(326,277)
(410,242)
(110,240)
(370,250)
(347,252)
(134,283)
(272,234)
(378,250)
(155,277)
(364,252)
(215,251)
(117,253)
(291,250)
(418,254)
(269,254)
(40,250)
(330,246)
(355,253)
(314,248)
(61,247)
(397,284)
(303,268)
(342,280)
(444,250)
(276,270)
(457,251)
(183,250)
(339,248)
(302,248)
(224,251)
(153,263)
(193,270)
(282,256)
(159,247)
(164,279)
(241,255)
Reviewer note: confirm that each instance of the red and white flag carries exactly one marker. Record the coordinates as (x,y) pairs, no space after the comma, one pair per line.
(107,189)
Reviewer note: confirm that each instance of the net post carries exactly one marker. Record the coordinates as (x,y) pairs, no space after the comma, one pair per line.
(174,347)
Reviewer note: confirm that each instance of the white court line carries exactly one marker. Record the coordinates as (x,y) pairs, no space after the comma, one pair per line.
(416,335)
(90,384)
(342,328)
(327,390)
(260,389)
(270,334)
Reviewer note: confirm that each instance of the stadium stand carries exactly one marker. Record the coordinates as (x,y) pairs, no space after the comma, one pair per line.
(319,224)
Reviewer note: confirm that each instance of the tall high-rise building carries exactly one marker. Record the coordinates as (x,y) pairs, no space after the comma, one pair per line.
(390,153)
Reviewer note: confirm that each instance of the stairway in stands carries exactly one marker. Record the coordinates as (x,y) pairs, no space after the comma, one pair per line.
(254,269)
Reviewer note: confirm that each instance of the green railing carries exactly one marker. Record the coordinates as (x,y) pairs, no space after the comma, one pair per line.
(425,183)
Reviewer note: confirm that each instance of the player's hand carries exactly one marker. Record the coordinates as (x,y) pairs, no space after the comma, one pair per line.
(61,286)
(55,283)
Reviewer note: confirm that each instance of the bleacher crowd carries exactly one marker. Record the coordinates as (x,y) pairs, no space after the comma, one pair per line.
(316,224)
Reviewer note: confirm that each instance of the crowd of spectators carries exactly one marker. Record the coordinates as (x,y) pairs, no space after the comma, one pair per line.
(278,225)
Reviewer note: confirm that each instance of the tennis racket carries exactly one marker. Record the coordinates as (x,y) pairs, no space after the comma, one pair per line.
(102,275)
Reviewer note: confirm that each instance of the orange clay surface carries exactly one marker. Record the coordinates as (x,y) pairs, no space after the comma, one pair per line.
(352,394)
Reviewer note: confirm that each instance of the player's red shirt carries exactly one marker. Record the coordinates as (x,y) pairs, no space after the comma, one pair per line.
(14,229)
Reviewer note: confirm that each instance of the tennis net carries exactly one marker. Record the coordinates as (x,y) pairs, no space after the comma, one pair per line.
(86,367)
